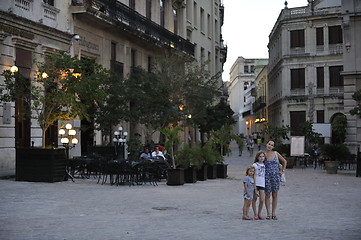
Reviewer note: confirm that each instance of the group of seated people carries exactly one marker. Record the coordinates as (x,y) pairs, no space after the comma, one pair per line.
(146,155)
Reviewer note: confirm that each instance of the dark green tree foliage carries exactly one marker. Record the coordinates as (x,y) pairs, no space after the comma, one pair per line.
(357,110)
(216,116)
(111,112)
(311,137)
(276,133)
(338,125)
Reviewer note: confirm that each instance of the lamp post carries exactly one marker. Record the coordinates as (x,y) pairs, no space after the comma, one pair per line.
(67,138)
(119,140)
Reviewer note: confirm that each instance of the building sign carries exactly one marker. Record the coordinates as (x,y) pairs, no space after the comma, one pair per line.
(16,31)
(297,145)
(322,128)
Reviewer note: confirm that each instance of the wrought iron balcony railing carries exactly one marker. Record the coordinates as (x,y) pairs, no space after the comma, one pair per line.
(259,104)
(135,23)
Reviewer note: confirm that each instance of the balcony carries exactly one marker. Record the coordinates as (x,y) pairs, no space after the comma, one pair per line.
(259,104)
(117,67)
(127,19)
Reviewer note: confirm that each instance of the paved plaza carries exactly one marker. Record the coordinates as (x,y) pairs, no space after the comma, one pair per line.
(312,205)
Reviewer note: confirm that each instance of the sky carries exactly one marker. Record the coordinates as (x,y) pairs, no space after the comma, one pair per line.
(247,25)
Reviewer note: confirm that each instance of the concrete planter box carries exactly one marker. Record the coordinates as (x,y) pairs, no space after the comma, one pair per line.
(175,176)
(222,170)
(331,166)
(190,175)
(212,171)
(202,173)
(40,165)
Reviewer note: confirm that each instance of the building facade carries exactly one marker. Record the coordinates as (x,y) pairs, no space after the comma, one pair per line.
(351,22)
(122,35)
(306,49)
(242,93)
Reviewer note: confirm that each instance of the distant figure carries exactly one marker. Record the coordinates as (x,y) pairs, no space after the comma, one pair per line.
(251,147)
(145,154)
(157,153)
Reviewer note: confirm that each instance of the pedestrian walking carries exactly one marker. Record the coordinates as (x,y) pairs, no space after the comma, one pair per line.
(272,178)
(248,183)
(260,182)
(251,147)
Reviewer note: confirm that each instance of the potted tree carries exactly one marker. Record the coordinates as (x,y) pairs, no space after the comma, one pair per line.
(333,155)
(189,158)
(210,156)
(64,88)
(220,140)
(175,176)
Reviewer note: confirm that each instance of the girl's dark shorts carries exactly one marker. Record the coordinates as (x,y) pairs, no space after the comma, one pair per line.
(260,188)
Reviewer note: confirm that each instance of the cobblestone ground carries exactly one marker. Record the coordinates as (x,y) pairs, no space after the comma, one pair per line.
(312,205)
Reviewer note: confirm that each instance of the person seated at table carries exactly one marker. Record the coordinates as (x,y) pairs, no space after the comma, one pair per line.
(145,155)
(157,153)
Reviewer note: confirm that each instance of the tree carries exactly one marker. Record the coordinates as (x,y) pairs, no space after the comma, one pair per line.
(175,87)
(338,125)
(357,109)
(222,137)
(216,116)
(276,133)
(114,109)
(64,88)
(171,138)
(311,137)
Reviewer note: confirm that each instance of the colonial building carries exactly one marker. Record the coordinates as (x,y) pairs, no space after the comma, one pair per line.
(259,107)
(122,34)
(351,22)
(306,50)
(242,93)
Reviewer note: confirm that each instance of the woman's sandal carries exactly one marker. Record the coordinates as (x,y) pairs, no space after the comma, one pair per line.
(246,218)
(256,218)
(268,217)
(261,218)
(274,218)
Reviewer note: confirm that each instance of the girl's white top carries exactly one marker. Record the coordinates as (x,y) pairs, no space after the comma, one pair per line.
(260,174)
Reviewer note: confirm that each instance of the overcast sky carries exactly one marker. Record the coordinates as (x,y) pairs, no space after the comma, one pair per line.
(247,25)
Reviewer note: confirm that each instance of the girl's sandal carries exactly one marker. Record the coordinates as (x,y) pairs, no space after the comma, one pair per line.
(256,218)
(268,217)
(274,218)
(261,218)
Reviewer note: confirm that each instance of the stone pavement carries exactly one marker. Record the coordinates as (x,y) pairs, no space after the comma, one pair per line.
(312,205)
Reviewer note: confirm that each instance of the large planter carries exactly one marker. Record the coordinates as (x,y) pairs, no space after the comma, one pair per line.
(331,166)
(175,176)
(222,170)
(40,165)
(190,175)
(212,171)
(202,173)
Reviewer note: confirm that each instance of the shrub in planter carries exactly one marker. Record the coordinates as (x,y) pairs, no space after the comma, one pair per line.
(189,158)
(334,154)
(210,157)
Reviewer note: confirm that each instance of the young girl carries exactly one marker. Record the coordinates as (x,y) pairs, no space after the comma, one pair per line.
(259,178)
(248,183)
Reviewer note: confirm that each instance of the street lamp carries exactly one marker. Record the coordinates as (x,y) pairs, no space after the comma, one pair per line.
(67,138)
(119,140)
